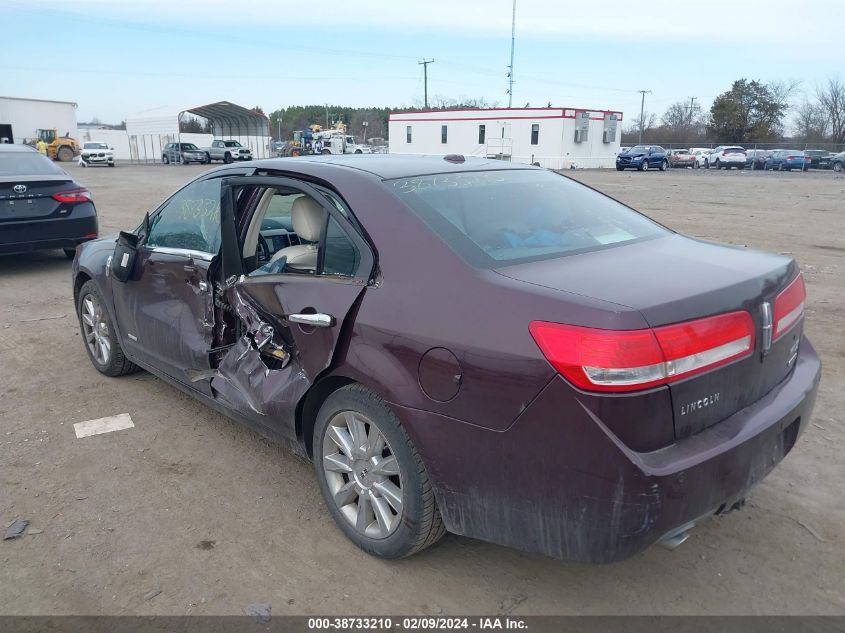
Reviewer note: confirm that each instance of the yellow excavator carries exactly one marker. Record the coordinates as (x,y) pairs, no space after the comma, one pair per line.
(62,148)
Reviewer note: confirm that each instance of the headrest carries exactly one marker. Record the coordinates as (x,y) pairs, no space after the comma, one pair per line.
(307,218)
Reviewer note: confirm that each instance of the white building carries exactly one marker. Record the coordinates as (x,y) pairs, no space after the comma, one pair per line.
(20,119)
(556,138)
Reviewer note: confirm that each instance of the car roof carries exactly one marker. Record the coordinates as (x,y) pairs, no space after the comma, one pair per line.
(388,166)
(11,147)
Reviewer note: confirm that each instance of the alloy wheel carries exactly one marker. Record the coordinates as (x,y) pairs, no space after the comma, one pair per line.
(96,329)
(363,474)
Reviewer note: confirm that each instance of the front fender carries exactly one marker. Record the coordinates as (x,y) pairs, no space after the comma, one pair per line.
(91,263)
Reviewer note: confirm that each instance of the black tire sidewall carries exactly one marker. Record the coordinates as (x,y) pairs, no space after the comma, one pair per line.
(403,540)
(116,359)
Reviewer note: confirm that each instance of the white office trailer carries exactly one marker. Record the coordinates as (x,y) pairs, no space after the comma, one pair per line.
(20,119)
(556,138)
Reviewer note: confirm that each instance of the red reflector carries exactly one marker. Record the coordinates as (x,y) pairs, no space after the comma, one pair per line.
(789,306)
(74,195)
(92,235)
(626,360)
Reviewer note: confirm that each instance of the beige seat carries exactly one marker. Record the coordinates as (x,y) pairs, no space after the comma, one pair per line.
(307,219)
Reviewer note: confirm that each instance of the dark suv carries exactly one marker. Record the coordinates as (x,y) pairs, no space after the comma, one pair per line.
(642,158)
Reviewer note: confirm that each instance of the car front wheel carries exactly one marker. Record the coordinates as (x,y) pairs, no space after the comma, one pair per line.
(838,168)
(99,335)
(371,476)
(643,165)
(664,165)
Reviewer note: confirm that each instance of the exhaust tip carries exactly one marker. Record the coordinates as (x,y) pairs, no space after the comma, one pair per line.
(675,539)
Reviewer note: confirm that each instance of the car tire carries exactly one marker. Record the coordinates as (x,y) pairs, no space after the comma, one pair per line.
(664,165)
(326,152)
(70,253)
(717,164)
(207,158)
(618,168)
(838,168)
(227,158)
(165,159)
(111,164)
(99,335)
(643,166)
(375,525)
(706,164)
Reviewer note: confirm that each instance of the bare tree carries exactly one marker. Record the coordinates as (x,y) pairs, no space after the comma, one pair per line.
(831,98)
(811,122)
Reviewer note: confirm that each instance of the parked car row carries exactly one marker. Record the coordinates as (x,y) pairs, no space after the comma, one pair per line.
(644,157)
(187,153)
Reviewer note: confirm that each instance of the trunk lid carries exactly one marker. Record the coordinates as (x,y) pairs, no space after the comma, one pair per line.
(673,279)
(36,200)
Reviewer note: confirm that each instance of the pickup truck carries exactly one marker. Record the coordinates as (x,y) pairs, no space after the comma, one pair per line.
(227,151)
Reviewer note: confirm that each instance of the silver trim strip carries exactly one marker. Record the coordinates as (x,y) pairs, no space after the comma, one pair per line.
(167,250)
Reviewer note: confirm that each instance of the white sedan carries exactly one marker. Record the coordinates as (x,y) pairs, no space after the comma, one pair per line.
(96,153)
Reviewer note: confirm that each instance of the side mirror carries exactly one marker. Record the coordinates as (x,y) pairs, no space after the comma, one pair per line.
(111,148)
(123,258)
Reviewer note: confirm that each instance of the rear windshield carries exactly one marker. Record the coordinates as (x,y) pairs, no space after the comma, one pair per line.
(496,218)
(27,164)
(734,150)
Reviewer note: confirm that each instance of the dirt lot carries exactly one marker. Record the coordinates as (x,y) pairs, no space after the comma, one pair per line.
(214,517)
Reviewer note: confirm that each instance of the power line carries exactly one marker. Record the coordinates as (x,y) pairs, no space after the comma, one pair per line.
(510,68)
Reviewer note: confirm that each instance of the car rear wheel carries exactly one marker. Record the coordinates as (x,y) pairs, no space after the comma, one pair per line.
(99,335)
(207,158)
(227,158)
(717,164)
(838,168)
(326,151)
(371,476)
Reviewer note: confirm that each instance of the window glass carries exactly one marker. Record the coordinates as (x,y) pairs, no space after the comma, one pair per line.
(28,163)
(535,133)
(190,219)
(408,134)
(444,130)
(341,256)
(497,218)
(482,133)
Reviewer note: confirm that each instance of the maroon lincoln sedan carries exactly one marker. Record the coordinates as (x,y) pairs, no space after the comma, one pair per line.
(469,346)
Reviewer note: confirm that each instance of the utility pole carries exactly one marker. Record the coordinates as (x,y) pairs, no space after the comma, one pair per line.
(642,113)
(425,63)
(691,109)
(510,68)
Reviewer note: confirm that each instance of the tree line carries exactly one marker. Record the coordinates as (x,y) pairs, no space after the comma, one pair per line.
(750,112)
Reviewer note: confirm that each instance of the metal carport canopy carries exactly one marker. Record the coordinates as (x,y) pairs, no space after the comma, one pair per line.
(229,119)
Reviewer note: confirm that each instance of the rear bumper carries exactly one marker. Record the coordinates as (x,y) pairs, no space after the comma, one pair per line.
(559,482)
(20,237)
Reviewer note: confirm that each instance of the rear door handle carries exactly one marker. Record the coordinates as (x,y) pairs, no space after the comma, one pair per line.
(314,320)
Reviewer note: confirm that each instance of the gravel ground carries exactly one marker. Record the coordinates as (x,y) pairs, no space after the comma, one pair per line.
(189,513)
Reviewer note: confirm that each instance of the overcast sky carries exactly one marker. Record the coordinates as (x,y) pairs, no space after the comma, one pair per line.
(116,58)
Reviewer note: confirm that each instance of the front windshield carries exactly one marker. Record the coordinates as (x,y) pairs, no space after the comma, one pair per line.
(189,146)
(231,144)
(639,149)
(95,146)
(496,218)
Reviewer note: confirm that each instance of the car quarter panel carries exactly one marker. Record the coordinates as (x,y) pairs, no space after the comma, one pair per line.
(559,482)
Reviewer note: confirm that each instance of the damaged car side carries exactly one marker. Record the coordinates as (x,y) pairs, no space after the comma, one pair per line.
(470,346)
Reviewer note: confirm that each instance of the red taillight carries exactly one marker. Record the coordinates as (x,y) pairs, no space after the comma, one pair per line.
(789,306)
(626,360)
(74,195)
